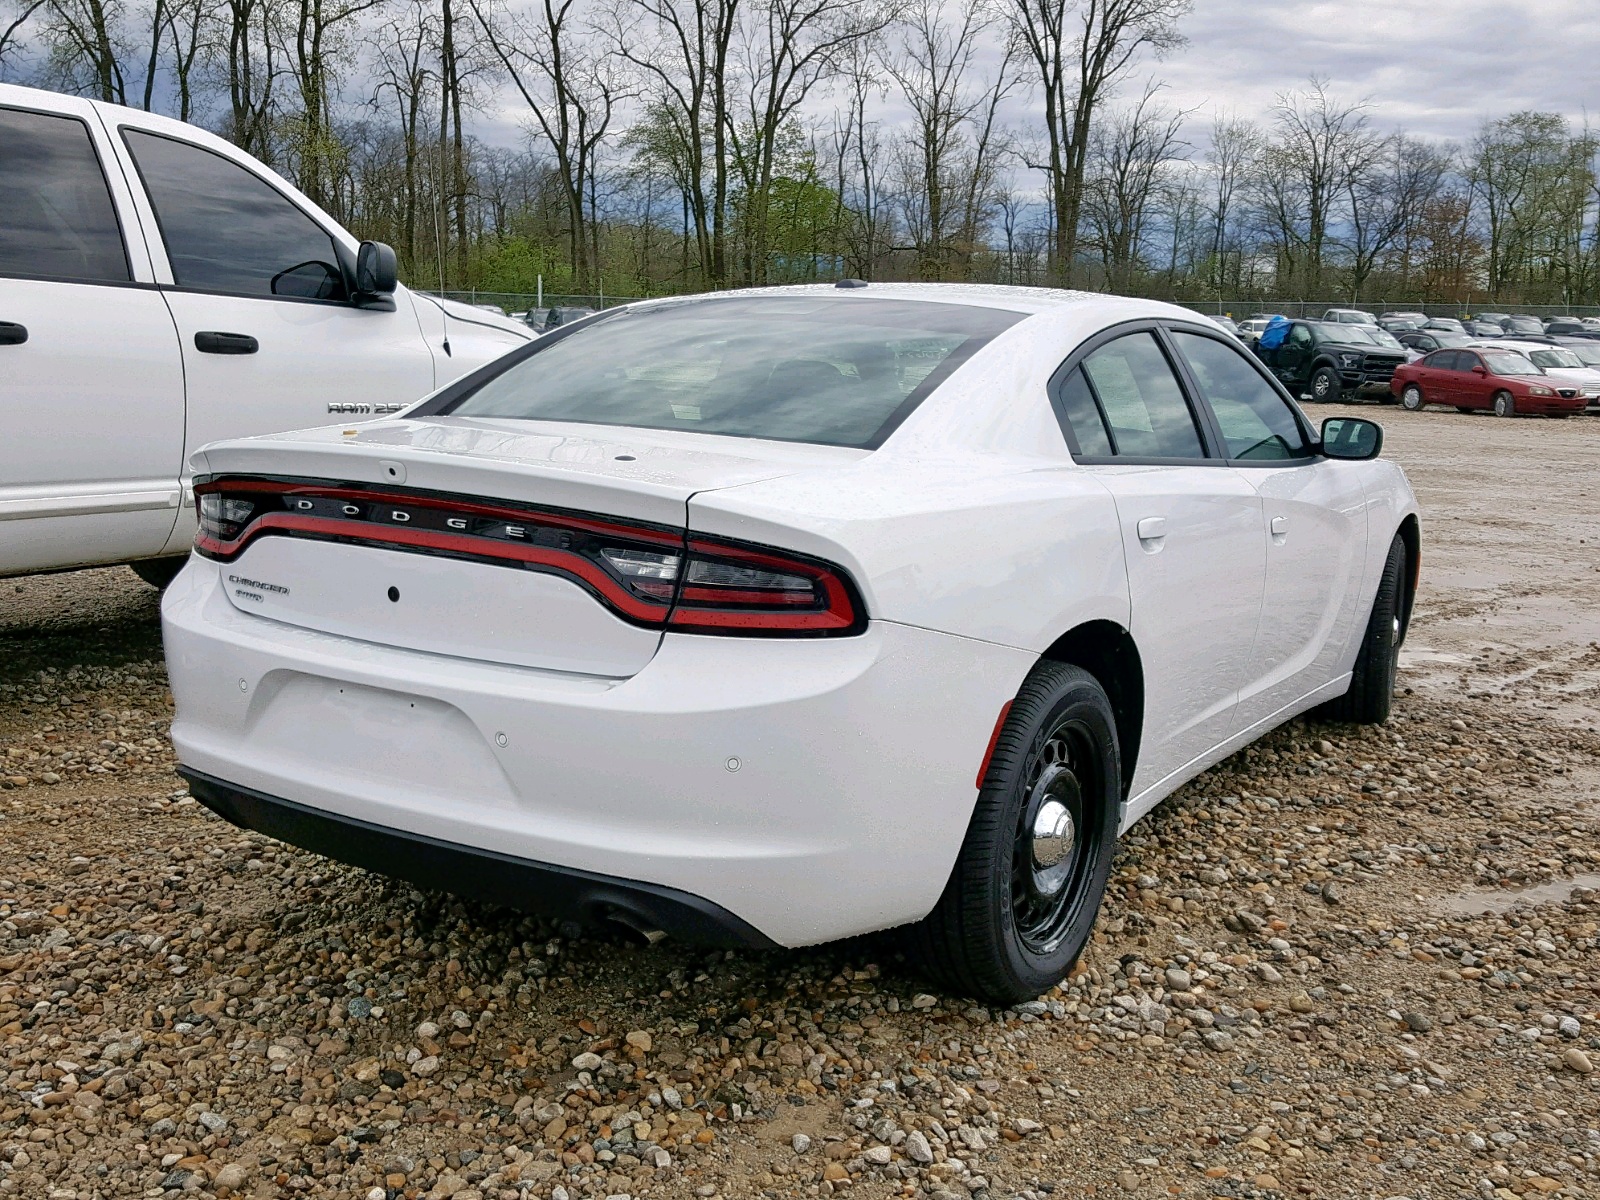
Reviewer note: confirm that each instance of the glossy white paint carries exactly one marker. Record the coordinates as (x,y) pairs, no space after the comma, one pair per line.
(977,542)
(466,610)
(856,754)
(108,399)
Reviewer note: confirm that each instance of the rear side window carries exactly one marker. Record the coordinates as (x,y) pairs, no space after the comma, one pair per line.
(228,230)
(1146,415)
(1083,415)
(836,370)
(1256,422)
(1444,360)
(56,216)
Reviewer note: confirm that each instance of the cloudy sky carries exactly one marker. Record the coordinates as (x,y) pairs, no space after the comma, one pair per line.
(1434,67)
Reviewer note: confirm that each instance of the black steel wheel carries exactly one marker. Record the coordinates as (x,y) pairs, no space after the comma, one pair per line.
(1022,899)
(1371,692)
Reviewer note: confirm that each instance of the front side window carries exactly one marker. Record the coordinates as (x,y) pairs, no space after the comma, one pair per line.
(1256,422)
(57,220)
(834,371)
(1146,414)
(1300,336)
(228,230)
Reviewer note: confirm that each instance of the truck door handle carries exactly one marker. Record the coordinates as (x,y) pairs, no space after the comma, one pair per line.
(212,342)
(12,334)
(1152,529)
(1280,526)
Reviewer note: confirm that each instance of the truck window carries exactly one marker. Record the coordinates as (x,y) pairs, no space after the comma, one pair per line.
(57,220)
(228,230)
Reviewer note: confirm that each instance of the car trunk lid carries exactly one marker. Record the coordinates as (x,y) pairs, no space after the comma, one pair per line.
(497,541)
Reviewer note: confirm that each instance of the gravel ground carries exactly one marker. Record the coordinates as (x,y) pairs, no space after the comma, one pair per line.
(1344,963)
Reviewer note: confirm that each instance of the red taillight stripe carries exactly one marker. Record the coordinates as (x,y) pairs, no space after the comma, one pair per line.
(994,740)
(561,561)
(468,507)
(691,608)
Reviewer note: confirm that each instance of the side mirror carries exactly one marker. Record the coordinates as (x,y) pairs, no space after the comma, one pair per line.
(376,270)
(1352,438)
(1480,369)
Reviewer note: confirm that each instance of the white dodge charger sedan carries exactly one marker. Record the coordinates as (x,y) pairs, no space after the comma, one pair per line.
(774,617)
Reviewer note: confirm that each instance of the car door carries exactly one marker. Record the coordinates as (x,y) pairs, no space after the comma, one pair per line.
(1469,385)
(1438,377)
(1191,533)
(1294,357)
(91,381)
(257,286)
(1313,533)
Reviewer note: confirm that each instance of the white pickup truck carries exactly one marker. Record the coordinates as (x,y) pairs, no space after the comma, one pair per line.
(160,289)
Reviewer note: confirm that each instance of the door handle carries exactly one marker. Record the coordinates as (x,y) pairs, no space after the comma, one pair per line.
(1152,529)
(12,334)
(1280,526)
(212,342)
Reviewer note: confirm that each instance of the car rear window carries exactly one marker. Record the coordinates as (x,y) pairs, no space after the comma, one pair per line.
(838,371)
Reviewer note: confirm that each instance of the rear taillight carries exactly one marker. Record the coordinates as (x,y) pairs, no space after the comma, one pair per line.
(731,588)
(650,576)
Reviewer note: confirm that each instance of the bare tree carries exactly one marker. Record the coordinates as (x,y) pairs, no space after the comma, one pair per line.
(787,48)
(688,61)
(1385,198)
(1129,152)
(1235,144)
(404,45)
(940,157)
(320,31)
(1319,144)
(248,58)
(571,89)
(1081,52)
(858,156)
(11,29)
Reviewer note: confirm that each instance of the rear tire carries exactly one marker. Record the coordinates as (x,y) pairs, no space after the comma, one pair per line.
(1325,385)
(1411,398)
(1371,693)
(1505,405)
(1025,891)
(158,572)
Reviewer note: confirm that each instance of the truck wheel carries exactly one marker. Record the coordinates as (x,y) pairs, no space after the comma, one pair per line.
(158,572)
(1325,386)
(1411,398)
(1504,405)
(1022,899)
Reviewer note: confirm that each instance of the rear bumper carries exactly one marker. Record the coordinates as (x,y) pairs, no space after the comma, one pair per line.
(480,874)
(812,788)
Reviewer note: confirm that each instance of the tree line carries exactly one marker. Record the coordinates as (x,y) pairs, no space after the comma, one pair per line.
(678,145)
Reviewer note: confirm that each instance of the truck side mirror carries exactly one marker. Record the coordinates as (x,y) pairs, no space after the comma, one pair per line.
(376,275)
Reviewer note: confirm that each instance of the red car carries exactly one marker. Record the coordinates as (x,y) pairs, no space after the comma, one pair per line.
(1503,381)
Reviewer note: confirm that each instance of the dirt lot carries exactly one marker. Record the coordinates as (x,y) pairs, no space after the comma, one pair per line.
(1311,978)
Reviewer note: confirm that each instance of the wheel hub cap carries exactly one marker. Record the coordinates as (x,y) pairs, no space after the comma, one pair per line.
(1053,832)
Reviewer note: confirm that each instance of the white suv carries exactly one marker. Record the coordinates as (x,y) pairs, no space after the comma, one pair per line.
(160,289)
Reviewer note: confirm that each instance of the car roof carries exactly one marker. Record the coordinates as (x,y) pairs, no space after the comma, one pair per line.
(1025,300)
